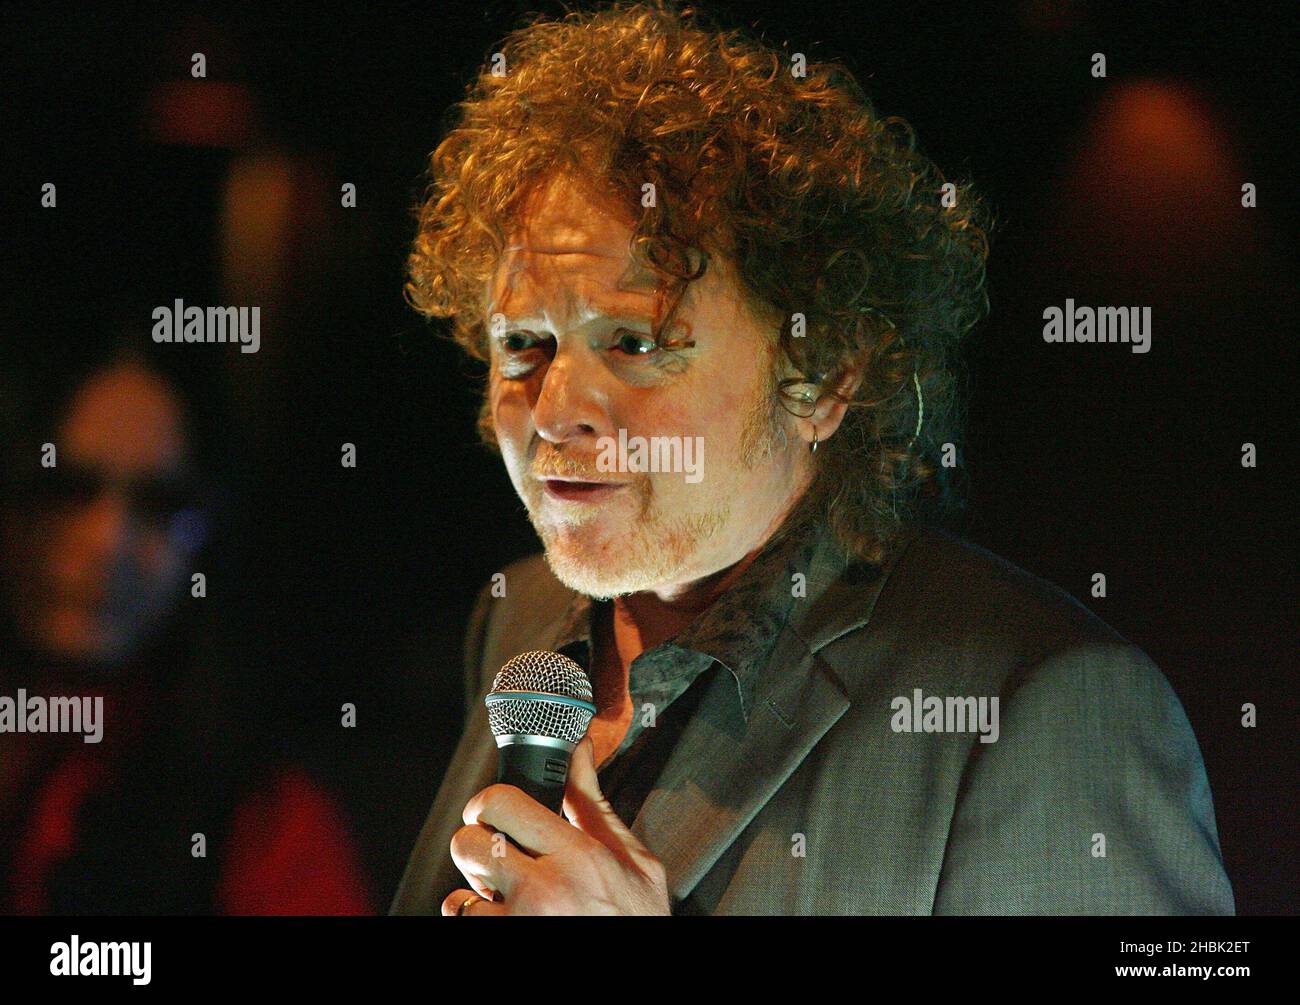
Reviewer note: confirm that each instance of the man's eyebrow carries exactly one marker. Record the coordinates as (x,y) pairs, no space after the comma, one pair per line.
(615,312)
(588,308)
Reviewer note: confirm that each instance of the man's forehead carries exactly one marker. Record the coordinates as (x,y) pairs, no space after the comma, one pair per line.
(570,231)
(568,287)
(611,265)
(571,204)
(567,215)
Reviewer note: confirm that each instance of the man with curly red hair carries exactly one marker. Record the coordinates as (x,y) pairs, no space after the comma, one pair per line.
(808,701)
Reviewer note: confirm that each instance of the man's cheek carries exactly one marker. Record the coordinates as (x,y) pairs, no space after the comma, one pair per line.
(713,426)
(678,417)
(510,414)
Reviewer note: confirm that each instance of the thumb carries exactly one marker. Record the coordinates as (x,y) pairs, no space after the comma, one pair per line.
(586,806)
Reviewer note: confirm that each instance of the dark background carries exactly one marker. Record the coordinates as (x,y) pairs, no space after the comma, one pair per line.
(1088,458)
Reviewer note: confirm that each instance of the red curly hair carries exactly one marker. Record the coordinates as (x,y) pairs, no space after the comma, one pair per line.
(827,210)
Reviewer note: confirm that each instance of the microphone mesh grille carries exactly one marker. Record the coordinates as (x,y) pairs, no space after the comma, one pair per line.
(548,673)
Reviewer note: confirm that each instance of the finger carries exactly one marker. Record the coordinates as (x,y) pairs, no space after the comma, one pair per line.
(508,808)
(480,908)
(487,860)
(588,809)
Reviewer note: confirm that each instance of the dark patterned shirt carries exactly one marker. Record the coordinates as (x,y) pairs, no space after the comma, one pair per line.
(734,635)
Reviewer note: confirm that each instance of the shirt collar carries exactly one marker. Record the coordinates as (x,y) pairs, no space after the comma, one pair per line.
(739,629)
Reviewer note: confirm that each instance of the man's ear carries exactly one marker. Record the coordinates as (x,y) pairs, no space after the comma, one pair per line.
(829,413)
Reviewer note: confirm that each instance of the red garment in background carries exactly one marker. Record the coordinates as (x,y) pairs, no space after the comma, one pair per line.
(288,849)
(290,854)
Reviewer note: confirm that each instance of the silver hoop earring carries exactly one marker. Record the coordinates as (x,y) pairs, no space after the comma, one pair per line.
(814,442)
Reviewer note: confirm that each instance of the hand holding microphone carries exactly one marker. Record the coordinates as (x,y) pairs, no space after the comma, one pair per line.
(514,844)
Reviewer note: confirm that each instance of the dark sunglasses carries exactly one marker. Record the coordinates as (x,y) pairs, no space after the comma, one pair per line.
(153,498)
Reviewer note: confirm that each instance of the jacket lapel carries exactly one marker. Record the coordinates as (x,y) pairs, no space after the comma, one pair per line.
(723,770)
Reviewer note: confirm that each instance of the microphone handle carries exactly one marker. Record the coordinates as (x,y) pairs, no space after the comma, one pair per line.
(541,771)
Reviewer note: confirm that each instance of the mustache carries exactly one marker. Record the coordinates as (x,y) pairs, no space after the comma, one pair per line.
(561,465)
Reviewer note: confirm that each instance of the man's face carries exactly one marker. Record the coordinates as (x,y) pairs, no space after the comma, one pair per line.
(574,362)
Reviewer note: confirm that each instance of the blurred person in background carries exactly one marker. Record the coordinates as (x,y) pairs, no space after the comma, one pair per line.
(97,552)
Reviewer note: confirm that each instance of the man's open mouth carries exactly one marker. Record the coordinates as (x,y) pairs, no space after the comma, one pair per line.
(574,491)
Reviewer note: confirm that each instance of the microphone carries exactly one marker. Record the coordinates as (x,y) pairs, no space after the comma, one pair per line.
(539,708)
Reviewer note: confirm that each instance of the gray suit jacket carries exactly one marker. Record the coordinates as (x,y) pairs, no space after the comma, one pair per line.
(1092,800)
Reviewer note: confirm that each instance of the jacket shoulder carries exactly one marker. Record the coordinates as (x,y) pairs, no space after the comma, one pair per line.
(961,598)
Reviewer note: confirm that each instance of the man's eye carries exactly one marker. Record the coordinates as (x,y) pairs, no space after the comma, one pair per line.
(634,343)
(516,341)
(627,342)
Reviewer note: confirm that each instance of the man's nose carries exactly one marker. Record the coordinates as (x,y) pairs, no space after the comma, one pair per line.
(573,400)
